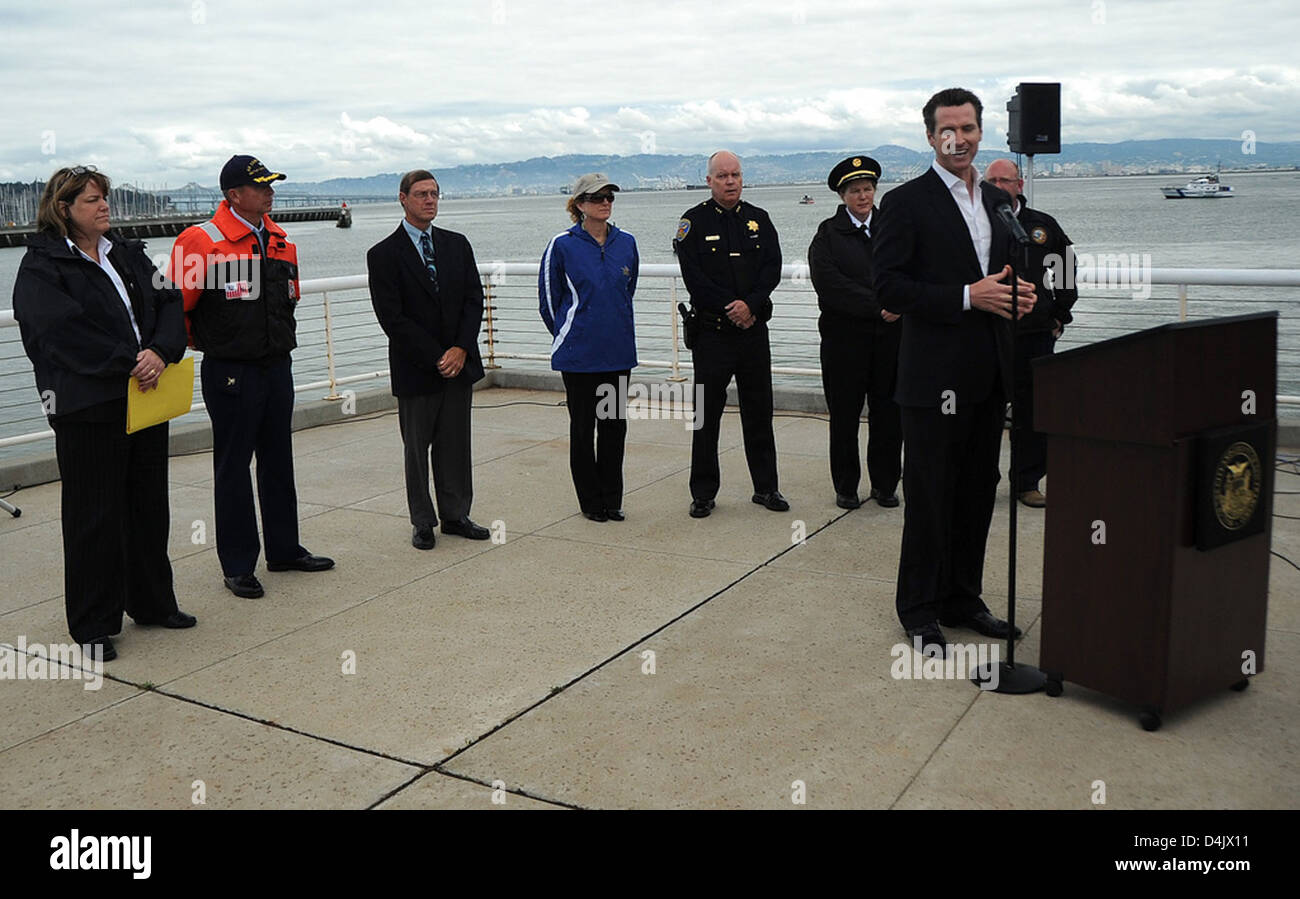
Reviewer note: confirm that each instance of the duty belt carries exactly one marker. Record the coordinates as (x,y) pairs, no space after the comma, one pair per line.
(712,321)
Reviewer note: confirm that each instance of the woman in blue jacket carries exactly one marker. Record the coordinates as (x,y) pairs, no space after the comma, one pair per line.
(585,286)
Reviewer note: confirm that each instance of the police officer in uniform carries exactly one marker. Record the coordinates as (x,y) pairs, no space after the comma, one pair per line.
(238,274)
(1037,332)
(859,340)
(731,262)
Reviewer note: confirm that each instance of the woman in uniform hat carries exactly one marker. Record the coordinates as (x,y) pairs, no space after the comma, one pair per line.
(859,340)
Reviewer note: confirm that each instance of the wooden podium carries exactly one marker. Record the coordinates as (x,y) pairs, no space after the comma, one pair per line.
(1131,606)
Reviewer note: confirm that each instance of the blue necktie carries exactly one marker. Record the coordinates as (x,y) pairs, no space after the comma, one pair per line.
(426,248)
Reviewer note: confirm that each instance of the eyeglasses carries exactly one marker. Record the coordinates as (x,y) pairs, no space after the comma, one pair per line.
(596,198)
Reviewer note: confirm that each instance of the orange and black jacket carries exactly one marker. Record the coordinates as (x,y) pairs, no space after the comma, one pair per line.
(239,303)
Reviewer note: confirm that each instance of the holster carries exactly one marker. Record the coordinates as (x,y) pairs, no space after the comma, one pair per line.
(690,325)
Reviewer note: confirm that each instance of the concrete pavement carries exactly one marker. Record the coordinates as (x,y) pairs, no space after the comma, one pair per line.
(661,662)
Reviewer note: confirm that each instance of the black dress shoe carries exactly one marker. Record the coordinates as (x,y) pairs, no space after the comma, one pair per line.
(773,501)
(465,528)
(700,508)
(245,585)
(107,651)
(888,500)
(615,514)
(422,538)
(596,515)
(303,563)
(177,619)
(847,500)
(983,623)
(933,642)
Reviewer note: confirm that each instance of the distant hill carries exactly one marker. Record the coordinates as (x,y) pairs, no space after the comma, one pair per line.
(553,174)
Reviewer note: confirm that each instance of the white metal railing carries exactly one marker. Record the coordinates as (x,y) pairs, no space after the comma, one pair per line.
(356,314)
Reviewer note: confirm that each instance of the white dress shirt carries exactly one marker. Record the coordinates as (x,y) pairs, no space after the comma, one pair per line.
(104,246)
(860,223)
(971,207)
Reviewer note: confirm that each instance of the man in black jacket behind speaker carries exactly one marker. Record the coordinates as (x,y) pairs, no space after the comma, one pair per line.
(1051,270)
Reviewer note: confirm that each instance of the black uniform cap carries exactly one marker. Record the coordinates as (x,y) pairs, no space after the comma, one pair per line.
(851,169)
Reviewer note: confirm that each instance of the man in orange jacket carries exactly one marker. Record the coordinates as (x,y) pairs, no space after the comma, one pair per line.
(238,274)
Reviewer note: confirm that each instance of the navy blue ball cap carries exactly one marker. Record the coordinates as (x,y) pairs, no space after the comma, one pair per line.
(851,169)
(241,170)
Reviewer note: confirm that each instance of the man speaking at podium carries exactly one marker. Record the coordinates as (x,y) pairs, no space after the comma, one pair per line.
(941,262)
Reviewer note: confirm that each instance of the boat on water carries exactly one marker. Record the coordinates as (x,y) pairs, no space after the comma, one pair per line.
(806,200)
(1203,187)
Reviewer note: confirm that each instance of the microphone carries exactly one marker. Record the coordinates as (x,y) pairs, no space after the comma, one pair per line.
(1013,224)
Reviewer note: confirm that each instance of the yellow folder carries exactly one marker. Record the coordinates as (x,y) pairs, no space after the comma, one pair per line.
(172,397)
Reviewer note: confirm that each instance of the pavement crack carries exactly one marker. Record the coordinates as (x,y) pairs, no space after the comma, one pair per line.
(422,766)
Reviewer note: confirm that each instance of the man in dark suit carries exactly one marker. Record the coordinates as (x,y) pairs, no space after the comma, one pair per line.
(428,297)
(941,262)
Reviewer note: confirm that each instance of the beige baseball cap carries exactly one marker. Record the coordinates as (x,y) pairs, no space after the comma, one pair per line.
(589,184)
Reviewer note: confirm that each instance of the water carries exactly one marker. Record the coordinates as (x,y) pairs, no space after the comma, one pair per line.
(1255,229)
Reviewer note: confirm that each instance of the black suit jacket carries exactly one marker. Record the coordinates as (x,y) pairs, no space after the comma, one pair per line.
(923,256)
(422,323)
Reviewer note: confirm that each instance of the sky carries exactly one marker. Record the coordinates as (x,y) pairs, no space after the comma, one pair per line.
(160,92)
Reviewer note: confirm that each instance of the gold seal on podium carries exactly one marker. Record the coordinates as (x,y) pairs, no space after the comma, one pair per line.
(1237,481)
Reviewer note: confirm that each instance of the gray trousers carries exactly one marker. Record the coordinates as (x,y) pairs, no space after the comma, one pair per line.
(437,426)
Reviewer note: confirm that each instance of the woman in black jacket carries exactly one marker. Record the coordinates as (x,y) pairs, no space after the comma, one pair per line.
(94,311)
(859,350)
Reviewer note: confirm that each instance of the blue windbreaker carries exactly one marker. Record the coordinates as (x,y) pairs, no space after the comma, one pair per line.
(585,293)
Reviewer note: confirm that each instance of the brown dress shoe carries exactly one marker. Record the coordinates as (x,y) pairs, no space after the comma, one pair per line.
(1034,499)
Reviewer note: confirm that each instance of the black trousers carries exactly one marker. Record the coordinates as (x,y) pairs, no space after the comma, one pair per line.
(435,427)
(116,520)
(596,411)
(1029,446)
(718,357)
(950,482)
(849,380)
(251,408)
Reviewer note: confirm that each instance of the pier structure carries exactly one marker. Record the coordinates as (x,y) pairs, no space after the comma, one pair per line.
(172,225)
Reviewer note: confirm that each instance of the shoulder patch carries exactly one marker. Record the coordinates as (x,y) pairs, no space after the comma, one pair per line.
(683,228)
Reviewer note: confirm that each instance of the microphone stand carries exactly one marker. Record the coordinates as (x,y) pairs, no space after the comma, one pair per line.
(1010,677)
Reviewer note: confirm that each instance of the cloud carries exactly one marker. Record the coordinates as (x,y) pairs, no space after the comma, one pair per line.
(382,131)
(322,90)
